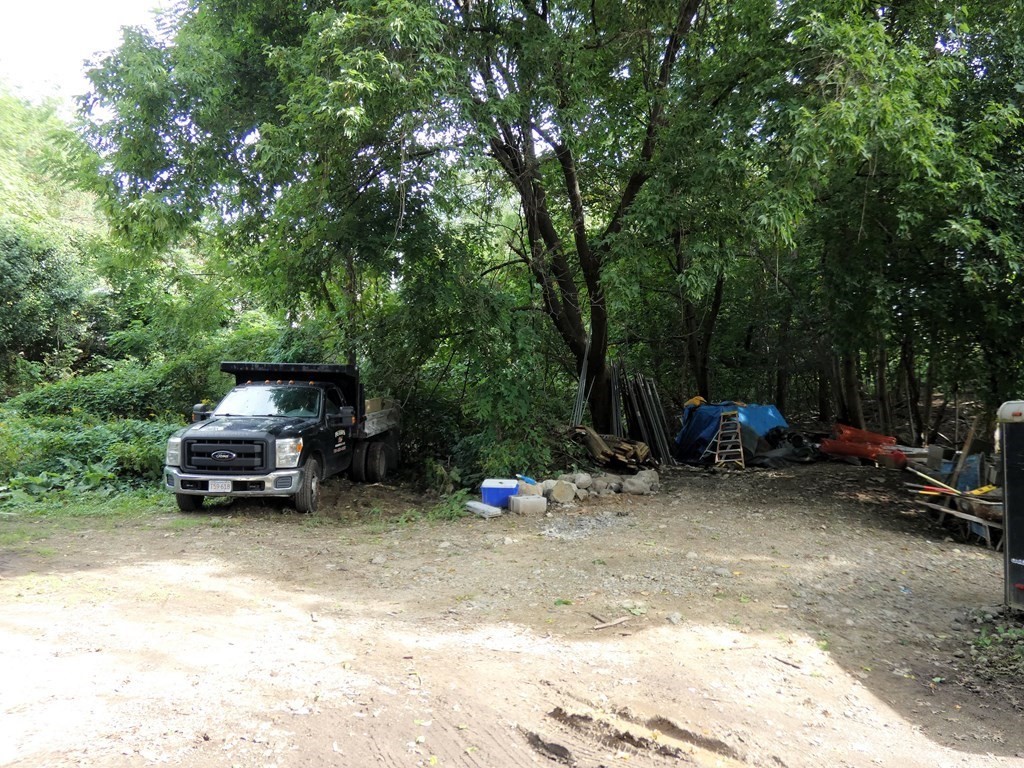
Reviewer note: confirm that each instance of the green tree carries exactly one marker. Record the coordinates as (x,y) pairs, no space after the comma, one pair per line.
(637,159)
(48,236)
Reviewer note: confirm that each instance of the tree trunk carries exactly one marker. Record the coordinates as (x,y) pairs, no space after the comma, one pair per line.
(882,391)
(929,397)
(851,391)
(913,389)
(351,298)
(842,411)
(600,400)
(782,363)
(824,397)
(698,326)
(940,414)
(696,354)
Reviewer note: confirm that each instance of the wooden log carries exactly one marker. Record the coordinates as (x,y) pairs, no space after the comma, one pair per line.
(598,449)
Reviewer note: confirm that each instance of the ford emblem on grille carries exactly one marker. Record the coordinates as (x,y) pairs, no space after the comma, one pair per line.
(223,455)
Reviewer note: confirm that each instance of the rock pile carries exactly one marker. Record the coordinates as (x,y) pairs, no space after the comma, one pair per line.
(582,485)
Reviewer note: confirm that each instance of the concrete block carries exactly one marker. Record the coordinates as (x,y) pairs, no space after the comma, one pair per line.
(527,505)
(483,510)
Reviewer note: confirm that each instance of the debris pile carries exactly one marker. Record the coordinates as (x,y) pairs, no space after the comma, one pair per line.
(733,434)
(580,486)
(861,444)
(614,452)
(642,440)
(960,490)
(533,496)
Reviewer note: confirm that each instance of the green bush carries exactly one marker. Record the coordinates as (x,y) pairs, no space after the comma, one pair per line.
(128,391)
(73,446)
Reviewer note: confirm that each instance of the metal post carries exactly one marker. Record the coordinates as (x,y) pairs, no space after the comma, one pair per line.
(1011,434)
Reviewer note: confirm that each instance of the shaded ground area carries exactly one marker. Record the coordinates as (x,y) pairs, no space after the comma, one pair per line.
(798,617)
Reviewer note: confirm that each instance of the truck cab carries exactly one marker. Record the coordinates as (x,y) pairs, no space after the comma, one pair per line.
(281,431)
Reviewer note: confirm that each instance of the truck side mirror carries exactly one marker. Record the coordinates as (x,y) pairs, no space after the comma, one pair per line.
(200,412)
(344,417)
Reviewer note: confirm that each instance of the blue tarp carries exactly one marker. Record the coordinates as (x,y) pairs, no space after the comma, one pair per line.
(700,425)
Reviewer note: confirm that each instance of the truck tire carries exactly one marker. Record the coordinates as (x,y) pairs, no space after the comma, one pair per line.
(358,469)
(376,462)
(393,444)
(308,497)
(189,503)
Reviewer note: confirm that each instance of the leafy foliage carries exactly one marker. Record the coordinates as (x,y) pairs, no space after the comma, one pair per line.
(755,200)
(80,450)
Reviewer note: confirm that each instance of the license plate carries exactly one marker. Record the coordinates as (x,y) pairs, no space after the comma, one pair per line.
(220,486)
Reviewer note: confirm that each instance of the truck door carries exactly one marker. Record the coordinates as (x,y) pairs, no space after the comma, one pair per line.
(337,447)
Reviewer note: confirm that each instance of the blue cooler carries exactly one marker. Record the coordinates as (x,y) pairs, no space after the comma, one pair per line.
(497,492)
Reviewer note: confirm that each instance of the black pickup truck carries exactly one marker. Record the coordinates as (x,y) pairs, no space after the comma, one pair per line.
(282,429)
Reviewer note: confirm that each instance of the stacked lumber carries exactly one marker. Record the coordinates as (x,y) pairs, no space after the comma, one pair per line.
(614,452)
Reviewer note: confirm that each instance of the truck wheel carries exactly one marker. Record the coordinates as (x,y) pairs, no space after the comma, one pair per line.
(308,497)
(376,462)
(188,503)
(394,446)
(358,469)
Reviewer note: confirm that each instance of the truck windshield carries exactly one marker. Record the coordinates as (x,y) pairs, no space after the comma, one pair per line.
(270,401)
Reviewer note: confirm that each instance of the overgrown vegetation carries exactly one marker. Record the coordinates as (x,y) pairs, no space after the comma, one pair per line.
(998,652)
(815,204)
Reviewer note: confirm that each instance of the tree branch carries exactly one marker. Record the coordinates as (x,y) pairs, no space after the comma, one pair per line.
(687,11)
(512,263)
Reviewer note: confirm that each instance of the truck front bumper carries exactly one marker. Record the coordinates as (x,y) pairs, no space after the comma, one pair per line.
(283,482)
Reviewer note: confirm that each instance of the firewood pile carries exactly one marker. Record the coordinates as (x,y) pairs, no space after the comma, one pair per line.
(648,444)
(614,452)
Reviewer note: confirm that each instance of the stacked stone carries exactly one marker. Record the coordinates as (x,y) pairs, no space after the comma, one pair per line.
(580,486)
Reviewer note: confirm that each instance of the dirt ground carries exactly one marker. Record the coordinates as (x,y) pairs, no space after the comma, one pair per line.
(797,617)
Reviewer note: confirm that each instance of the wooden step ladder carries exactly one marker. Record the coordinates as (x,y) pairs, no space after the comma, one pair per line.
(727,446)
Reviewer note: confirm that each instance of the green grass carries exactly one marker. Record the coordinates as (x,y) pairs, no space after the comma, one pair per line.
(185,523)
(451,507)
(192,520)
(316,521)
(14,535)
(999,651)
(60,505)
(448,509)
(28,521)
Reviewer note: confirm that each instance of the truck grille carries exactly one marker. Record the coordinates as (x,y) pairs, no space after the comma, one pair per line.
(242,455)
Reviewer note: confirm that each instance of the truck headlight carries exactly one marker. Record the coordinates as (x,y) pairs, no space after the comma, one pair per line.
(173,455)
(288,452)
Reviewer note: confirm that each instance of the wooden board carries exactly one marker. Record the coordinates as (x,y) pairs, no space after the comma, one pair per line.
(987,525)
